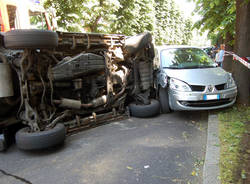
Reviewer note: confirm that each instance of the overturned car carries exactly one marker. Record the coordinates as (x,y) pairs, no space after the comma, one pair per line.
(57,83)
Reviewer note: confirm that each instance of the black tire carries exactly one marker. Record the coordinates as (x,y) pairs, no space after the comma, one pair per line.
(1,39)
(164,101)
(40,140)
(30,38)
(145,111)
(4,111)
(2,145)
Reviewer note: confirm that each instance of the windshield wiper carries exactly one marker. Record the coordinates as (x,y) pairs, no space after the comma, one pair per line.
(170,67)
(189,67)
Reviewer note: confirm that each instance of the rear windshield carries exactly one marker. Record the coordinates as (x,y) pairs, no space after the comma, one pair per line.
(181,58)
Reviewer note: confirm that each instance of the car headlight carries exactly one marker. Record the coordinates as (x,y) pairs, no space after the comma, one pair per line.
(230,82)
(178,85)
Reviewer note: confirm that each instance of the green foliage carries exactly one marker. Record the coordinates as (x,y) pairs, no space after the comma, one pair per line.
(37,22)
(232,127)
(171,27)
(68,12)
(218,16)
(134,16)
(214,37)
(97,15)
(129,17)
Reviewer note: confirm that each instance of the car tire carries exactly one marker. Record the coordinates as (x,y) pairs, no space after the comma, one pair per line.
(164,100)
(3,145)
(30,38)
(4,111)
(145,111)
(26,140)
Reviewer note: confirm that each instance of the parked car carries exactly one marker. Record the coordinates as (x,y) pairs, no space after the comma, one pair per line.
(56,82)
(187,79)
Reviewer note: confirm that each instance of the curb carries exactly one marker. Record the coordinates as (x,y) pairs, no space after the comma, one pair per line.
(211,170)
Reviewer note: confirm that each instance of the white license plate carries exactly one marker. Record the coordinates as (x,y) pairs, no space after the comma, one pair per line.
(211,97)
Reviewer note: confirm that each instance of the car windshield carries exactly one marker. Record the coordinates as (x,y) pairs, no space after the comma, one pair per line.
(181,58)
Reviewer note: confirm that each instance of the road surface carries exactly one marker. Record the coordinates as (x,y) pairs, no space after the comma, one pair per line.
(167,149)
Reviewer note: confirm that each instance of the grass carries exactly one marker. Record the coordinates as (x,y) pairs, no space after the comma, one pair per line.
(232,127)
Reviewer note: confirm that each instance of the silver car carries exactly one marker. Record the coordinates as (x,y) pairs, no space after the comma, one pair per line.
(187,79)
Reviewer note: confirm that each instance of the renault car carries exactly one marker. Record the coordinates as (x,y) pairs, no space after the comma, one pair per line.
(188,79)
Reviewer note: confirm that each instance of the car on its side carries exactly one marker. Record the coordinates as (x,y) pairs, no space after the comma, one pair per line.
(187,79)
(62,82)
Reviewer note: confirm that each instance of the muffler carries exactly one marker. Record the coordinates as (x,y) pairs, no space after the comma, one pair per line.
(6,84)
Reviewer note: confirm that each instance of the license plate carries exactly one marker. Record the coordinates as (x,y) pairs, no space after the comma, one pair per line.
(211,97)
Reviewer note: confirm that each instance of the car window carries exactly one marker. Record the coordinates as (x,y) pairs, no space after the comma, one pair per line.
(181,58)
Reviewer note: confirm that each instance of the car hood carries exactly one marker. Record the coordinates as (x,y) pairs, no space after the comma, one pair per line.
(200,76)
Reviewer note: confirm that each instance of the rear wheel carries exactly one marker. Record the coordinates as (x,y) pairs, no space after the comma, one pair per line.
(3,144)
(4,111)
(27,140)
(30,38)
(164,101)
(145,111)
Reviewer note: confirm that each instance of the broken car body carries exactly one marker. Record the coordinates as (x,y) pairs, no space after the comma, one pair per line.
(74,79)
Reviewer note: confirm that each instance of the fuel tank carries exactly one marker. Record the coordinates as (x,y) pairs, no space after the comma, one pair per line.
(80,65)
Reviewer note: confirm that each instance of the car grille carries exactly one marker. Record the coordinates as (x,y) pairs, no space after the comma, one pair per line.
(197,88)
(220,86)
(204,103)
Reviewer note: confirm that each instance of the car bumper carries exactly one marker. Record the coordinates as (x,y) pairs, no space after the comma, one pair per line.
(195,100)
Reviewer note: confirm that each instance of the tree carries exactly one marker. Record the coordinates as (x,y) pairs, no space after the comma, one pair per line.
(218,17)
(171,27)
(106,16)
(67,13)
(231,20)
(90,15)
(129,17)
(133,17)
(242,48)
(97,15)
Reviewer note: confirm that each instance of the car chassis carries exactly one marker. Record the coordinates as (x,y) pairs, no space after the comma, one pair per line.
(75,79)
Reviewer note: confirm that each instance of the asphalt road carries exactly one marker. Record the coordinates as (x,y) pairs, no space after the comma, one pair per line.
(168,149)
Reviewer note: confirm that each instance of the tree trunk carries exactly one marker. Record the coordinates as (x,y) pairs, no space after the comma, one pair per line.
(93,27)
(227,63)
(242,48)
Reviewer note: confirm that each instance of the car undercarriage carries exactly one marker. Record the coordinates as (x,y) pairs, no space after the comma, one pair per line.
(77,80)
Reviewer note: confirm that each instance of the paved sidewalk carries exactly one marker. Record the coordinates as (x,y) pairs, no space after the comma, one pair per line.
(211,170)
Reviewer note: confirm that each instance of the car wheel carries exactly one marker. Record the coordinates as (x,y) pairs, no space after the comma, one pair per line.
(164,101)
(3,145)
(30,38)
(4,111)
(26,140)
(145,111)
